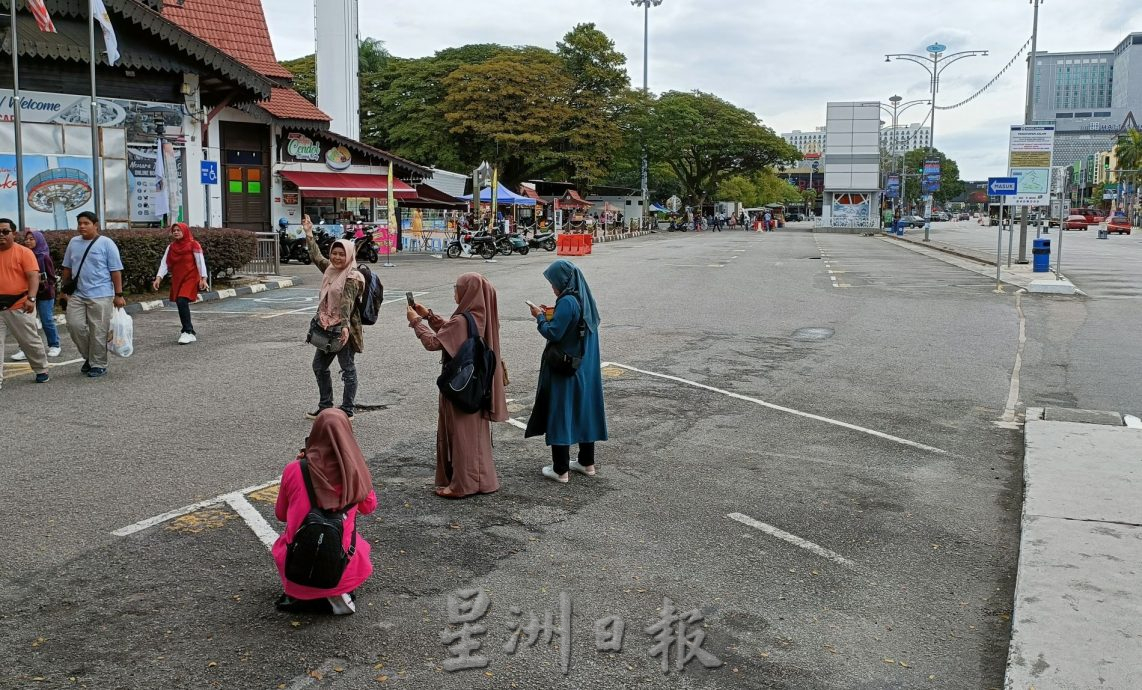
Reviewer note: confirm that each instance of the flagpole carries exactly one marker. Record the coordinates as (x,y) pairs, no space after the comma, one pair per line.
(96,161)
(16,107)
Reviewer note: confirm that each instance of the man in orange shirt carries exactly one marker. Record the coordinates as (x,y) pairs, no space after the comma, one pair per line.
(19,283)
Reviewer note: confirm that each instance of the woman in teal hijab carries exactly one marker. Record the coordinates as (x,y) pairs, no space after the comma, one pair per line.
(569,405)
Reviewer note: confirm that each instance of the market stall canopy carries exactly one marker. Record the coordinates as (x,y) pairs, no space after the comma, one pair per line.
(431,197)
(658,209)
(504,196)
(348,184)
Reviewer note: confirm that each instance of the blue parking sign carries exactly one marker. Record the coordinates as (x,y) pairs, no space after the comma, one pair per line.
(209,172)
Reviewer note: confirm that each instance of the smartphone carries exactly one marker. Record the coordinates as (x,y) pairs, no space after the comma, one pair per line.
(411,301)
(531,304)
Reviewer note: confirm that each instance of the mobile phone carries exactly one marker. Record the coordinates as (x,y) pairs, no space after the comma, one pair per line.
(411,301)
(531,304)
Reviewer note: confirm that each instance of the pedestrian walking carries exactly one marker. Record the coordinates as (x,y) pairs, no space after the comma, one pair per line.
(767,221)
(184,261)
(19,285)
(464,463)
(341,285)
(335,479)
(93,288)
(568,405)
(46,296)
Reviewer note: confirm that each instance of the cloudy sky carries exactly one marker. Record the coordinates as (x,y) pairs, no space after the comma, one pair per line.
(782,59)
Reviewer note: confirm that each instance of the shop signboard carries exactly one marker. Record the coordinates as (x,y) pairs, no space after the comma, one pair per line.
(298,147)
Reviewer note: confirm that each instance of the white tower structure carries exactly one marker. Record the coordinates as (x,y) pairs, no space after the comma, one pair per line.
(338,63)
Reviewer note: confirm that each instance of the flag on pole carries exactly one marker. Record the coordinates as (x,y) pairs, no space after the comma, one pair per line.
(99,10)
(43,19)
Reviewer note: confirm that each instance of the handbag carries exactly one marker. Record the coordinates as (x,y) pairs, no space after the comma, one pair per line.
(561,363)
(72,285)
(327,340)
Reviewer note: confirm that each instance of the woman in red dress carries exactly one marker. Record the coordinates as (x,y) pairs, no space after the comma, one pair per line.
(184,261)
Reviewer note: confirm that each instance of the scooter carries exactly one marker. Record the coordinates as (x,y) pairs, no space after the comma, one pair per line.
(292,248)
(540,240)
(514,243)
(362,238)
(481,243)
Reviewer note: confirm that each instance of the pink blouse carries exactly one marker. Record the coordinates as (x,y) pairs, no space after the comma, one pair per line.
(292,507)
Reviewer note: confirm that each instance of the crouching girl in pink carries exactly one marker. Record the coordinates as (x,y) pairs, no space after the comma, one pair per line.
(341,483)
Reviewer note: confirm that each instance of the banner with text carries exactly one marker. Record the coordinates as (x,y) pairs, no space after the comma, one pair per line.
(1029,160)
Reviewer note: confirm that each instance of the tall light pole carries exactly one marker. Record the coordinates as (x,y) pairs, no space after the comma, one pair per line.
(1028,118)
(646,5)
(897,110)
(935,62)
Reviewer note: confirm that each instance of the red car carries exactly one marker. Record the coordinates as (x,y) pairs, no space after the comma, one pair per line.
(1075,222)
(1092,215)
(1118,224)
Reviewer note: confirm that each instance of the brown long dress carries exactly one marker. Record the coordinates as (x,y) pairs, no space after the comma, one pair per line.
(464,441)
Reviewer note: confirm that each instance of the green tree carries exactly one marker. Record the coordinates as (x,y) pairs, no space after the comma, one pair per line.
(512,110)
(304,71)
(741,189)
(704,140)
(592,133)
(402,112)
(1128,151)
(809,198)
(372,57)
(951,185)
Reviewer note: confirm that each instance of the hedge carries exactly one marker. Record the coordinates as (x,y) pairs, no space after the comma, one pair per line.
(226,251)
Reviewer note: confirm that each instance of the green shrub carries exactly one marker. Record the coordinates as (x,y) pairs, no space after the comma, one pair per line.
(226,251)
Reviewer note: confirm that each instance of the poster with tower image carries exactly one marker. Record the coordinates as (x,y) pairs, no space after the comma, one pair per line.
(56,188)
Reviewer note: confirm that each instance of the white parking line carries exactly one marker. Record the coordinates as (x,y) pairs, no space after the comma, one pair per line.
(253,518)
(794,540)
(179,512)
(516,423)
(781,408)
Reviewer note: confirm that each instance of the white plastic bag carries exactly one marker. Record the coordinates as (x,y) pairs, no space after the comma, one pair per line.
(120,340)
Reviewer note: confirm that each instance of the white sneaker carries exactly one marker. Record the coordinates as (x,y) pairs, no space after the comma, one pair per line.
(53,352)
(193,338)
(185,338)
(549,472)
(582,469)
(19,356)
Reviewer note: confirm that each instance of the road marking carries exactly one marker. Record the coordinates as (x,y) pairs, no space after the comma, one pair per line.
(794,540)
(516,423)
(1013,392)
(253,518)
(789,410)
(179,512)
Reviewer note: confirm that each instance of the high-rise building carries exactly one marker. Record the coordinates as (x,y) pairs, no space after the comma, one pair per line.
(807,142)
(905,138)
(1087,96)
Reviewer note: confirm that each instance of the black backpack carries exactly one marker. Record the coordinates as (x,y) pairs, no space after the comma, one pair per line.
(371,297)
(315,557)
(466,379)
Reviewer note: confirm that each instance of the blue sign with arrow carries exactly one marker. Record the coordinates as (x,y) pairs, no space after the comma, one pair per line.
(1002,186)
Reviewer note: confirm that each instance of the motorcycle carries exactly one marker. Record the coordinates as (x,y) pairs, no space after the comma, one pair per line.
(292,248)
(324,240)
(363,240)
(481,243)
(515,243)
(539,240)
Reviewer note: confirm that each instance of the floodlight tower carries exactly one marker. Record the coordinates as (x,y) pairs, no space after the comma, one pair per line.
(338,62)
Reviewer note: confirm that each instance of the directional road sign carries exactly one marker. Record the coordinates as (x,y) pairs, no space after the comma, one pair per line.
(1002,186)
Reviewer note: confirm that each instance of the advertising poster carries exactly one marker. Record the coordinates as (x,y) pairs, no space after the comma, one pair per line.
(892,187)
(56,188)
(930,182)
(143,182)
(851,211)
(1029,160)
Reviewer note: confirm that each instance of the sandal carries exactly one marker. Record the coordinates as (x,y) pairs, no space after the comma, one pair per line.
(445,492)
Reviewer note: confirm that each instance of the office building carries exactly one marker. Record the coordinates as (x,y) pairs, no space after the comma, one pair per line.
(807,142)
(905,138)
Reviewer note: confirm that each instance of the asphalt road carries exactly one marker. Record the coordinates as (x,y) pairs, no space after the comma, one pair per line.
(836,395)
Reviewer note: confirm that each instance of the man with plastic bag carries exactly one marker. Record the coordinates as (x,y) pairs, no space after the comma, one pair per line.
(92,286)
(19,283)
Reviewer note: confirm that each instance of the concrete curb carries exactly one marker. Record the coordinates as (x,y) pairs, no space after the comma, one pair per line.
(214,296)
(947,249)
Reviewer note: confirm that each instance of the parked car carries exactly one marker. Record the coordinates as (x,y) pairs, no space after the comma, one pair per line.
(1119,225)
(941,216)
(1092,215)
(912,221)
(1075,222)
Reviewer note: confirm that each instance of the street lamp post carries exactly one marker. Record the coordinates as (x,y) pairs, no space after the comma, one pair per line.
(1028,117)
(897,110)
(935,62)
(645,5)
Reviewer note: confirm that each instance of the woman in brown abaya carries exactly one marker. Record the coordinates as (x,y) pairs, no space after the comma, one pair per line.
(464,441)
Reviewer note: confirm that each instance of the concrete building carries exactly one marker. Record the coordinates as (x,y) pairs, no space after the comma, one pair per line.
(807,142)
(905,138)
(852,166)
(1087,96)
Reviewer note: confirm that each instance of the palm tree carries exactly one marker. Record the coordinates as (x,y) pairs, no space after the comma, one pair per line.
(1129,154)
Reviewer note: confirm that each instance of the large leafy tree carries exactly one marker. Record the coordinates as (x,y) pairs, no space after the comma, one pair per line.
(304,71)
(372,57)
(951,186)
(705,140)
(513,109)
(592,133)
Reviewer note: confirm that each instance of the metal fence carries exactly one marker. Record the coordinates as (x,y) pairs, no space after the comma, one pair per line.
(267,258)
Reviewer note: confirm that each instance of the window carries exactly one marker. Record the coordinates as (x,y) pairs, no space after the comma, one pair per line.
(1064,115)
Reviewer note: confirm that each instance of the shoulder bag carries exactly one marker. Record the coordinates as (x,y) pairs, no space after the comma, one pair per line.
(72,285)
(561,363)
(327,340)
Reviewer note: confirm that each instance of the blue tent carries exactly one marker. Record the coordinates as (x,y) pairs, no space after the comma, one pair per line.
(504,197)
(658,209)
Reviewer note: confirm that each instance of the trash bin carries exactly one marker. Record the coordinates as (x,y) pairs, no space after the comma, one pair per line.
(1103,233)
(1041,255)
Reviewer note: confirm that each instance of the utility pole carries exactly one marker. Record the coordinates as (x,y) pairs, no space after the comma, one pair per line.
(645,4)
(1028,119)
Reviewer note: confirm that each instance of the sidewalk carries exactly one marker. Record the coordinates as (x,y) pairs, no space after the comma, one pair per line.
(1077,621)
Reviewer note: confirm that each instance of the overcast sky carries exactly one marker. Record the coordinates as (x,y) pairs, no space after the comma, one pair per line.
(782,59)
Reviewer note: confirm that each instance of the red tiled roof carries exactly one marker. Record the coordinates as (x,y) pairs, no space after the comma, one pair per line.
(236,27)
(287,104)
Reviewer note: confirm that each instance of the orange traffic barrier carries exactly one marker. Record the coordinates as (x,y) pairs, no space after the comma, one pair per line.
(563,245)
(588,244)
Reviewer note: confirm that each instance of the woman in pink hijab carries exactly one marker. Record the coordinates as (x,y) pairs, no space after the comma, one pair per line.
(464,441)
(341,284)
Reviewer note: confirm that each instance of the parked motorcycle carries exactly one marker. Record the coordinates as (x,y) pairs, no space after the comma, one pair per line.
(481,243)
(363,240)
(514,243)
(291,247)
(324,239)
(539,240)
